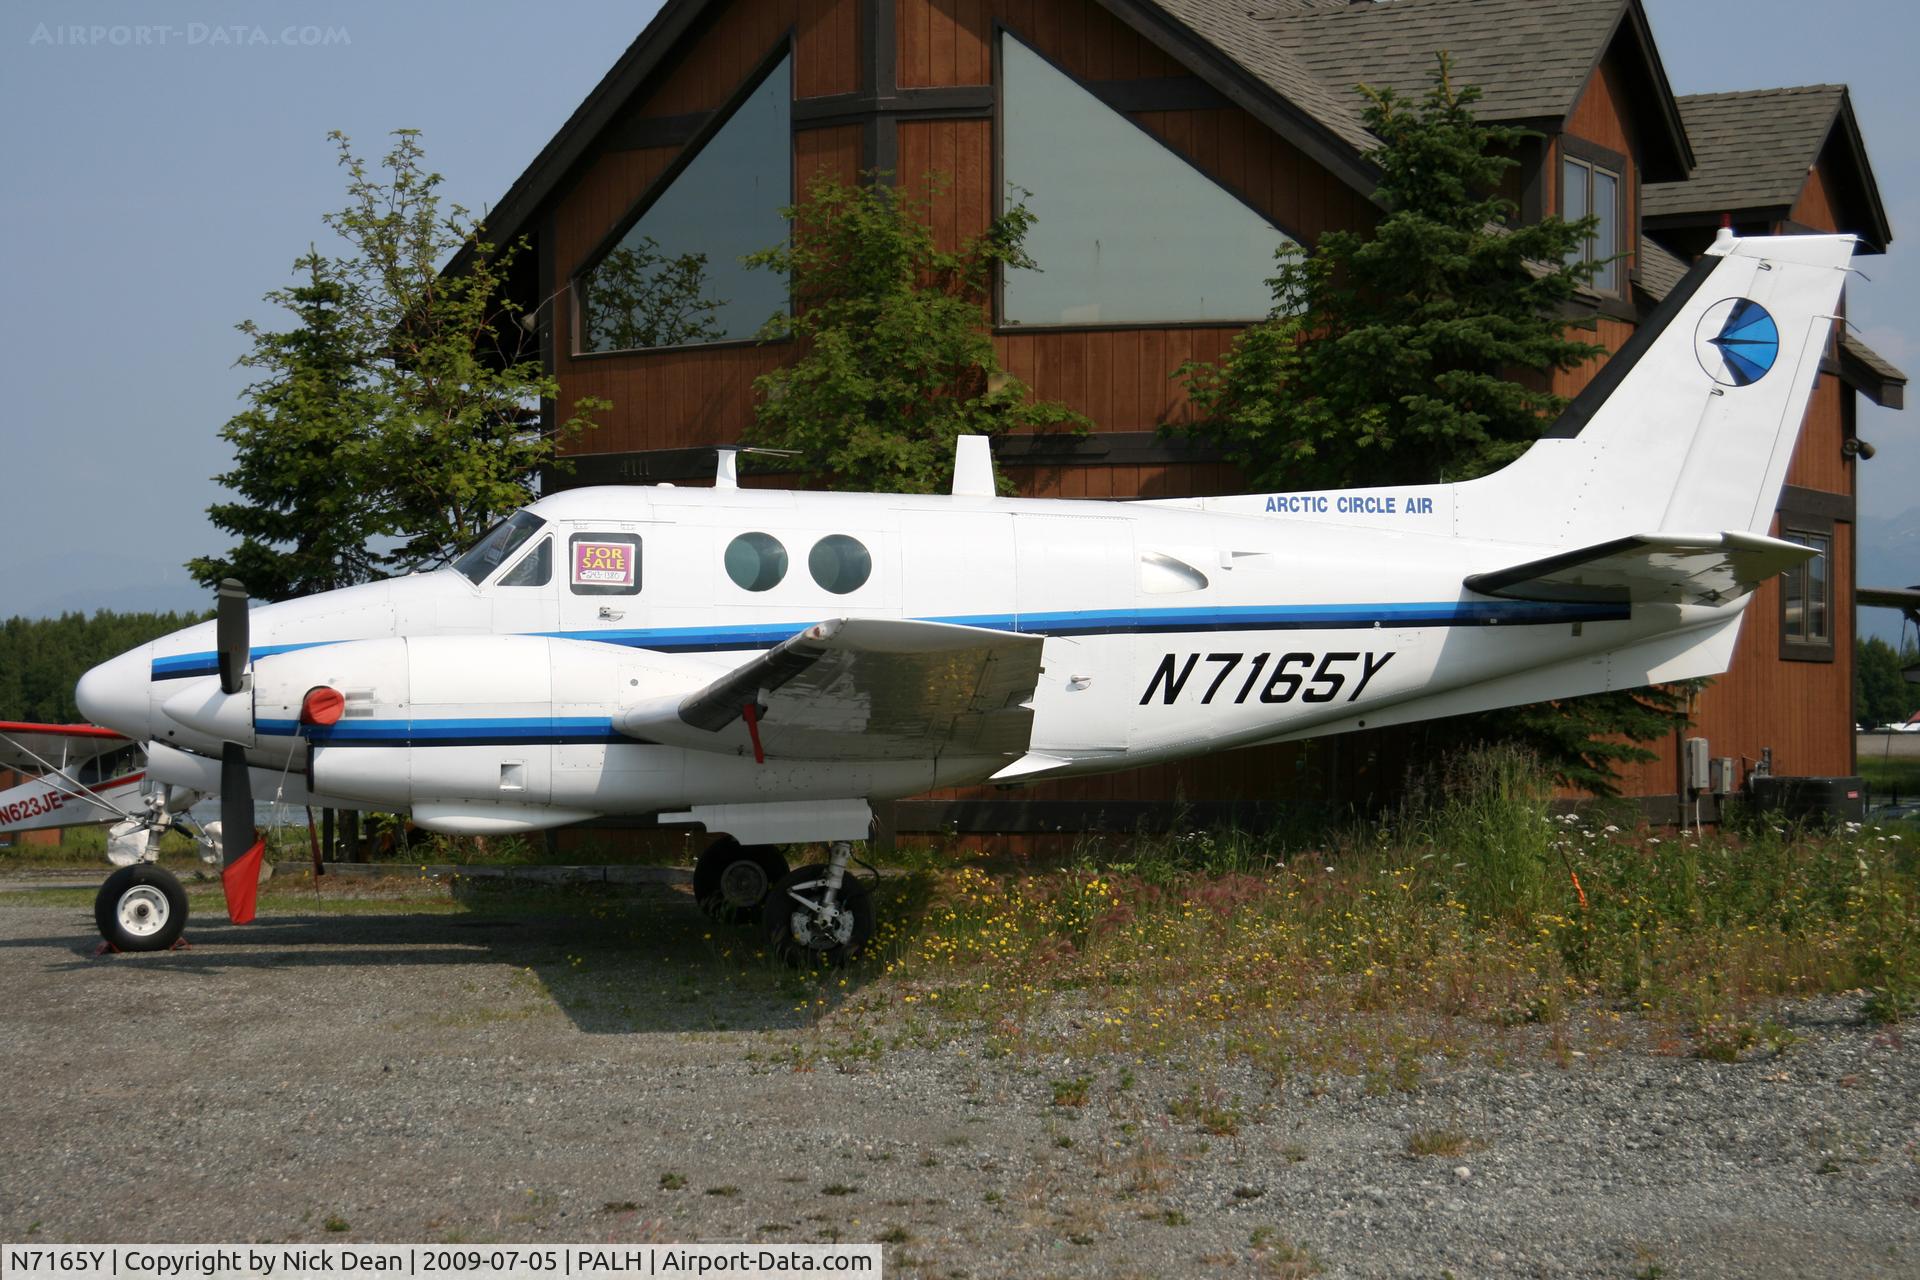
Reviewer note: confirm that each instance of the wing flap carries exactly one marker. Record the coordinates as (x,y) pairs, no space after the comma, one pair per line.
(862,689)
(1648,568)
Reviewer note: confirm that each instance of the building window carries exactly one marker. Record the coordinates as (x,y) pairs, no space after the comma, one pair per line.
(1806,598)
(674,276)
(1592,189)
(1126,231)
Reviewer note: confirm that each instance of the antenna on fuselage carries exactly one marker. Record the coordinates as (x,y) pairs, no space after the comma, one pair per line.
(726,472)
(973,468)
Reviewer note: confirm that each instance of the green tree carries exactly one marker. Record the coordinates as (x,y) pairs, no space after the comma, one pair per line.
(457,440)
(41,659)
(1881,694)
(400,417)
(896,356)
(1419,351)
(305,518)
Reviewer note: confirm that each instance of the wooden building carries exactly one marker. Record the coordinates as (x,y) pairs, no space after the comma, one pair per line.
(1168,146)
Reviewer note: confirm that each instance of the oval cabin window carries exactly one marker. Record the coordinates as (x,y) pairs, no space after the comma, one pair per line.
(1163,575)
(839,563)
(756,561)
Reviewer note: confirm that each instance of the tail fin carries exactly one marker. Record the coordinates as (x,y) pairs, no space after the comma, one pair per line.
(1691,425)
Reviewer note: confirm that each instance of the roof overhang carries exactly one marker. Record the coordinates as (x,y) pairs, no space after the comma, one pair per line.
(1666,155)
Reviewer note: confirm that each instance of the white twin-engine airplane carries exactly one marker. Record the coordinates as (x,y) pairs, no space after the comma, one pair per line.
(766,663)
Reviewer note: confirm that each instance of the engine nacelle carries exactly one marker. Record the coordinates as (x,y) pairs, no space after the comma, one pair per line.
(476,734)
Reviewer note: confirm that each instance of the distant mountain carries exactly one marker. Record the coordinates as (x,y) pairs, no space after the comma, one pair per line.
(1889,557)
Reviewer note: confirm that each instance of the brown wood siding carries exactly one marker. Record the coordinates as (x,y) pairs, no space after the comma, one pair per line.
(1817,460)
(1600,117)
(950,42)
(1814,207)
(1801,710)
(826,45)
(1607,332)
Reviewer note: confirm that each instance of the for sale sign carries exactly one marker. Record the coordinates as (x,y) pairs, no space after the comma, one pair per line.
(603,564)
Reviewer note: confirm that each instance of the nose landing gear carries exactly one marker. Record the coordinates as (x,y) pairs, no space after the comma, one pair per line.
(141,908)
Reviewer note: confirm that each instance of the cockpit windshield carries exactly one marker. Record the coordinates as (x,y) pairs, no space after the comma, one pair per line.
(501,541)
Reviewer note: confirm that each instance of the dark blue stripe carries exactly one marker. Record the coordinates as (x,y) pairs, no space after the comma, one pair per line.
(462,731)
(1437,613)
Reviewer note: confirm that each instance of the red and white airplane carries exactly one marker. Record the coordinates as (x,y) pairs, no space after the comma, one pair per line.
(85,775)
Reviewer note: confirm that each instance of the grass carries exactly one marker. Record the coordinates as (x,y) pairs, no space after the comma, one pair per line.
(1473,922)
(1888,778)
(1442,930)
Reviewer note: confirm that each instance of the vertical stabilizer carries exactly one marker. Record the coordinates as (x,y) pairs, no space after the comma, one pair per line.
(1691,425)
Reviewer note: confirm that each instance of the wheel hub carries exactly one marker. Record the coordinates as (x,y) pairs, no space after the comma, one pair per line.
(822,928)
(142,911)
(744,883)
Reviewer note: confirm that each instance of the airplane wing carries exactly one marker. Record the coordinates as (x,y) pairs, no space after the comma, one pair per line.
(861,689)
(41,748)
(1648,568)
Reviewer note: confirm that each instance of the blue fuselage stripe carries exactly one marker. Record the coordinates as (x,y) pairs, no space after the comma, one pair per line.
(456,731)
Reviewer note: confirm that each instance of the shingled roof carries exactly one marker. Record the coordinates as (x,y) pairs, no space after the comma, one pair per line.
(1392,44)
(1753,150)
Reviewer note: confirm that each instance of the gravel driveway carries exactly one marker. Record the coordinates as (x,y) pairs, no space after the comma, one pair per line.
(530,1077)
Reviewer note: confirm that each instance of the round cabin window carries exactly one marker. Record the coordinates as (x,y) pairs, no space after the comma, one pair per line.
(756,561)
(839,563)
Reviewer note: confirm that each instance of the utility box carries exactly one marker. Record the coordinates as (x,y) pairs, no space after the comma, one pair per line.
(1696,759)
(1811,799)
(1721,775)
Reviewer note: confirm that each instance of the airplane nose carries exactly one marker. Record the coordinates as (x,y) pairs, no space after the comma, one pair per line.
(115,693)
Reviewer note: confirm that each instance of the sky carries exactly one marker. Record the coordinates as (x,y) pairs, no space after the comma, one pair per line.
(168,161)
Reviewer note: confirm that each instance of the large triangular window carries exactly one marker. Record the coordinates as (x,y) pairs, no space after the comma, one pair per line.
(1125,230)
(674,277)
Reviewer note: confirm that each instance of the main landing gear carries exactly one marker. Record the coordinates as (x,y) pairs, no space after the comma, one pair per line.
(816,915)
(141,908)
(731,881)
(819,915)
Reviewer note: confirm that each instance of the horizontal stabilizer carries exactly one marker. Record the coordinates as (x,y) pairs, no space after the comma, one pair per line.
(1648,568)
(861,689)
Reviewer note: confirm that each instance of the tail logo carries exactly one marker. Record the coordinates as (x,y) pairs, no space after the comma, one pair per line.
(1737,342)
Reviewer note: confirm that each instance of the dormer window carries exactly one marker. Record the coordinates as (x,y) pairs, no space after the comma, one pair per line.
(1592,188)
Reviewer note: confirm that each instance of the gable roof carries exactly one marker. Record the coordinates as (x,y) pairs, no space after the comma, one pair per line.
(1292,63)
(1754,149)
(1392,44)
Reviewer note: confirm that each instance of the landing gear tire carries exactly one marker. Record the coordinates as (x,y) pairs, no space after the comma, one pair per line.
(731,880)
(141,908)
(804,932)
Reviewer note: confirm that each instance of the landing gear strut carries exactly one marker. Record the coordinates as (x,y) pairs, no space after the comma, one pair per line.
(819,915)
(141,908)
(731,880)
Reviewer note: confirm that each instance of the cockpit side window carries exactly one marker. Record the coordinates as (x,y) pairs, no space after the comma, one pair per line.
(534,570)
(501,541)
(604,564)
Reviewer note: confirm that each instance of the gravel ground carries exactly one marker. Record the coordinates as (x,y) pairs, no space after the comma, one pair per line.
(389,1076)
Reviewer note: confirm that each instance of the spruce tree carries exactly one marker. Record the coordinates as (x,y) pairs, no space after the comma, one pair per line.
(1421,350)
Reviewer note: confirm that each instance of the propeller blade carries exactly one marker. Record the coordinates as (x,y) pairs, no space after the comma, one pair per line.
(236,804)
(230,634)
(241,850)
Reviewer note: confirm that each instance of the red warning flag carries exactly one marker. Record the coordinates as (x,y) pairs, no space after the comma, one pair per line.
(241,881)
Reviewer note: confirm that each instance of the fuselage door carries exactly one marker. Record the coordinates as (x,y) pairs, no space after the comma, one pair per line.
(1075,585)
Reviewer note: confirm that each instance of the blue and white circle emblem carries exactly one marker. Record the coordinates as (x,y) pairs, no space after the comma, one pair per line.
(1737,342)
